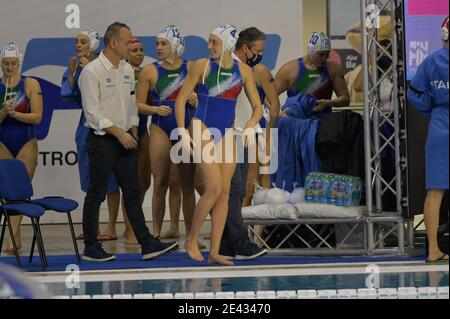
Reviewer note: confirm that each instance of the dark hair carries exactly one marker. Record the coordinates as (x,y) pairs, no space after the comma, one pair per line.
(113,31)
(248,36)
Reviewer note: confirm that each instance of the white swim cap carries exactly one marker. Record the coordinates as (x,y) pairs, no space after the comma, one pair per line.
(173,35)
(228,34)
(11,50)
(319,42)
(94,39)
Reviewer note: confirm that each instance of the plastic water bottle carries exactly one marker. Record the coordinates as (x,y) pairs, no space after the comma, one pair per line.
(309,187)
(357,190)
(325,184)
(317,188)
(332,191)
(349,189)
(339,188)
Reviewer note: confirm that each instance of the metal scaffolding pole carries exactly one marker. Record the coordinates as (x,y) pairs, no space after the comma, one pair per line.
(384,129)
(368,141)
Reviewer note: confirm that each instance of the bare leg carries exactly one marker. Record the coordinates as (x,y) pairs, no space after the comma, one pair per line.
(187,173)
(28,155)
(220,210)
(174,204)
(253,176)
(265,178)
(431,212)
(160,146)
(200,188)
(198,182)
(212,181)
(265,181)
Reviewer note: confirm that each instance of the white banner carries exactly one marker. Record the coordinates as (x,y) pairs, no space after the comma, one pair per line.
(45,32)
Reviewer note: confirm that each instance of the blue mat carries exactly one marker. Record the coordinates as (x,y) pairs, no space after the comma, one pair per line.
(182,260)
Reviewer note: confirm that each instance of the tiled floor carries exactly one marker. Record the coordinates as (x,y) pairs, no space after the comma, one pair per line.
(57,239)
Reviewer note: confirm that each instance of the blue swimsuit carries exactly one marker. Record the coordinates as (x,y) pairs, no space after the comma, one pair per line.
(217,99)
(313,82)
(15,134)
(165,93)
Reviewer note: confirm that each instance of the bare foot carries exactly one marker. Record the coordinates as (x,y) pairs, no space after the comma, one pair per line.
(10,247)
(106,237)
(10,251)
(432,256)
(193,251)
(18,239)
(201,245)
(217,259)
(207,236)
(109,232)
(130,238)
(171,233)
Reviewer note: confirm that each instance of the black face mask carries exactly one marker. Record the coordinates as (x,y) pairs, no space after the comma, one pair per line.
(385,62)
(254,60)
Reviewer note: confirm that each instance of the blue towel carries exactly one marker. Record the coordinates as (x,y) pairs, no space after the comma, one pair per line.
(300,106)
(297,155)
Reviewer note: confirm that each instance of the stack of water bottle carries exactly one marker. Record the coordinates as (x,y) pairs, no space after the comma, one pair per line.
(332,189)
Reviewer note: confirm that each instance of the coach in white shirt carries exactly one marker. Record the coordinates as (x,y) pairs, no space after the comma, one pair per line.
(107,92)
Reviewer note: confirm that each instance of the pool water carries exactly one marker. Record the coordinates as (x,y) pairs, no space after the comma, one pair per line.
(305,282)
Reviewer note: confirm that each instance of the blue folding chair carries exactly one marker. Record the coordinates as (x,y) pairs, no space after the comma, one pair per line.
(11,200)
(33,212)
(15,170)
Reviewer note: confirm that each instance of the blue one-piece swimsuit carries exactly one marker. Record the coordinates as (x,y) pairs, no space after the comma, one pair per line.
(217,99)
(165,93)
(15,134)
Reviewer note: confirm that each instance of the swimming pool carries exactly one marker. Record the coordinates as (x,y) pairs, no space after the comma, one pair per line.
(254,284)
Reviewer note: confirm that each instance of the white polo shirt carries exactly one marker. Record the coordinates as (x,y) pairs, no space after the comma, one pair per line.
(108,95)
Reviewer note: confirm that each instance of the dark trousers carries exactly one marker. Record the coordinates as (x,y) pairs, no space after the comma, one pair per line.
(107,155)
(235,233)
